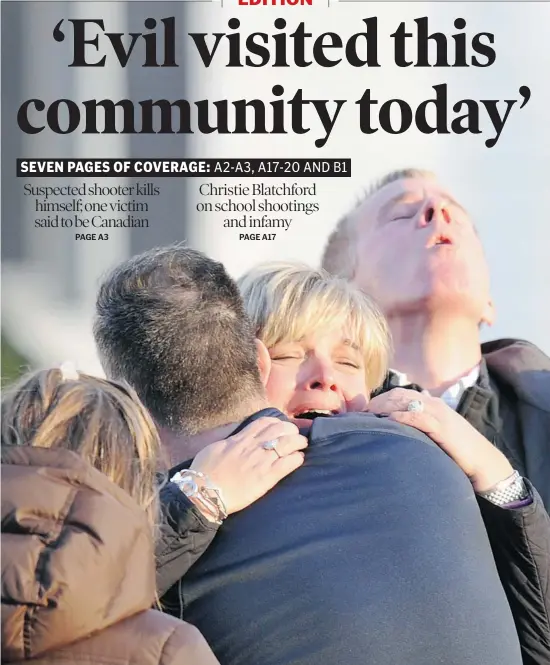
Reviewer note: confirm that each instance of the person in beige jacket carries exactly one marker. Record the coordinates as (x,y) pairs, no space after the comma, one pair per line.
(78,577)
(78,570)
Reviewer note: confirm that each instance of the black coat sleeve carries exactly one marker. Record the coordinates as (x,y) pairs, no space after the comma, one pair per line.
(520,540)
(185,535)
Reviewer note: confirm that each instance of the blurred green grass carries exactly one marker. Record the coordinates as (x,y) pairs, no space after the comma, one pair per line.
(13,364)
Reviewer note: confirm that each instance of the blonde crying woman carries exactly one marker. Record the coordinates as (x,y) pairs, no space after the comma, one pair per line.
(329,347)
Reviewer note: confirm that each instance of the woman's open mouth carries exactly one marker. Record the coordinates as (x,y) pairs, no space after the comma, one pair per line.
(311,414)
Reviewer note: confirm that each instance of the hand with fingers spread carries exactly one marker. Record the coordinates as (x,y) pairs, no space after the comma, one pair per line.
(484,464)
(247,465)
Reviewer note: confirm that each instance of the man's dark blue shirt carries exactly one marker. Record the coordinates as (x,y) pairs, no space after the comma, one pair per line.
(373,552)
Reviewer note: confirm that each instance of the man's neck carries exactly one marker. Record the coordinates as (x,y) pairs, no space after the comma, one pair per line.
(434,352)
(181,447)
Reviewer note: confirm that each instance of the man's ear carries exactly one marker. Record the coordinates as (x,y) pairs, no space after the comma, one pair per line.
(264,360)
(488,316)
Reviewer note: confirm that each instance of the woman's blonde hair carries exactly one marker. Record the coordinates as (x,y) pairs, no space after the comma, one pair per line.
(103,421)
(287,301)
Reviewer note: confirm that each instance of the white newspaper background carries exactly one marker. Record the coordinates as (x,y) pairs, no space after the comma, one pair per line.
(50,278)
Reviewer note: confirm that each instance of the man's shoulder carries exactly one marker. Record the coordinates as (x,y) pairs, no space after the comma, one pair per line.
(523,367)
(351,424)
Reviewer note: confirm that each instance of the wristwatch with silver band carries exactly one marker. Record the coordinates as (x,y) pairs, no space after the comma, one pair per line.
(507,491)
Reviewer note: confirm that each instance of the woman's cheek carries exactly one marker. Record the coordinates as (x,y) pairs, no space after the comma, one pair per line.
(275,388)
(358,402)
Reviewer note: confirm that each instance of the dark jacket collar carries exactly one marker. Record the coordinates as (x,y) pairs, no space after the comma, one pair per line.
(518,364)
(521,366)
(270,412)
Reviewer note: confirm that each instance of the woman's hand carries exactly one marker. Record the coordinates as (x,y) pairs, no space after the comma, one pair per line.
(242,469)
(484,464)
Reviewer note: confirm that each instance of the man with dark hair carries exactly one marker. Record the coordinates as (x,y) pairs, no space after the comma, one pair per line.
(435,298)
(373,551)
(156,318)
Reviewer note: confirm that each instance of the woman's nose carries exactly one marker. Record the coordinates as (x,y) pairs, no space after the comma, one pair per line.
(321,376)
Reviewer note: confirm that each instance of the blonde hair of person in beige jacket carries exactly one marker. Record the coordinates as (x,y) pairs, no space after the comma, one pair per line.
(78,570)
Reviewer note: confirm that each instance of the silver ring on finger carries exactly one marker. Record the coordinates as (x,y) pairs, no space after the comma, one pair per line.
(271,445)
(416,406)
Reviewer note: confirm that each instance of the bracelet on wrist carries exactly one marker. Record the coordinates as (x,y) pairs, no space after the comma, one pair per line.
(206,496)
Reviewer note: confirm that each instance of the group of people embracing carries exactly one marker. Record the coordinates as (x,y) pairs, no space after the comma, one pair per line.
(307,466)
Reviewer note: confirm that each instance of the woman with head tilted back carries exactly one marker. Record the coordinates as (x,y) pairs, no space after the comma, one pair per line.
(78,576)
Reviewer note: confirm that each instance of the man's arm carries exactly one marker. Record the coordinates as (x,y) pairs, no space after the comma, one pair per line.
(519,536)
(184,535)
(520,540)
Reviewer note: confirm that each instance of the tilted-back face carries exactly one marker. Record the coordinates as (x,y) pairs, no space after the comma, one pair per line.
(417,248)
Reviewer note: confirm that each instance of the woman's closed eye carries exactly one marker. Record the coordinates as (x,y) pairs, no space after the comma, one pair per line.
(349,363)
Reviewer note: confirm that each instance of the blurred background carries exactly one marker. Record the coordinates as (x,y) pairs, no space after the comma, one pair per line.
(49,280)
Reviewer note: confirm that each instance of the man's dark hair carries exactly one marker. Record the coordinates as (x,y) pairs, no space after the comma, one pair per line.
(171,323)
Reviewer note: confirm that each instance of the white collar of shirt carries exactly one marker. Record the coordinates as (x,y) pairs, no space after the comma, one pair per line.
(453,394)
